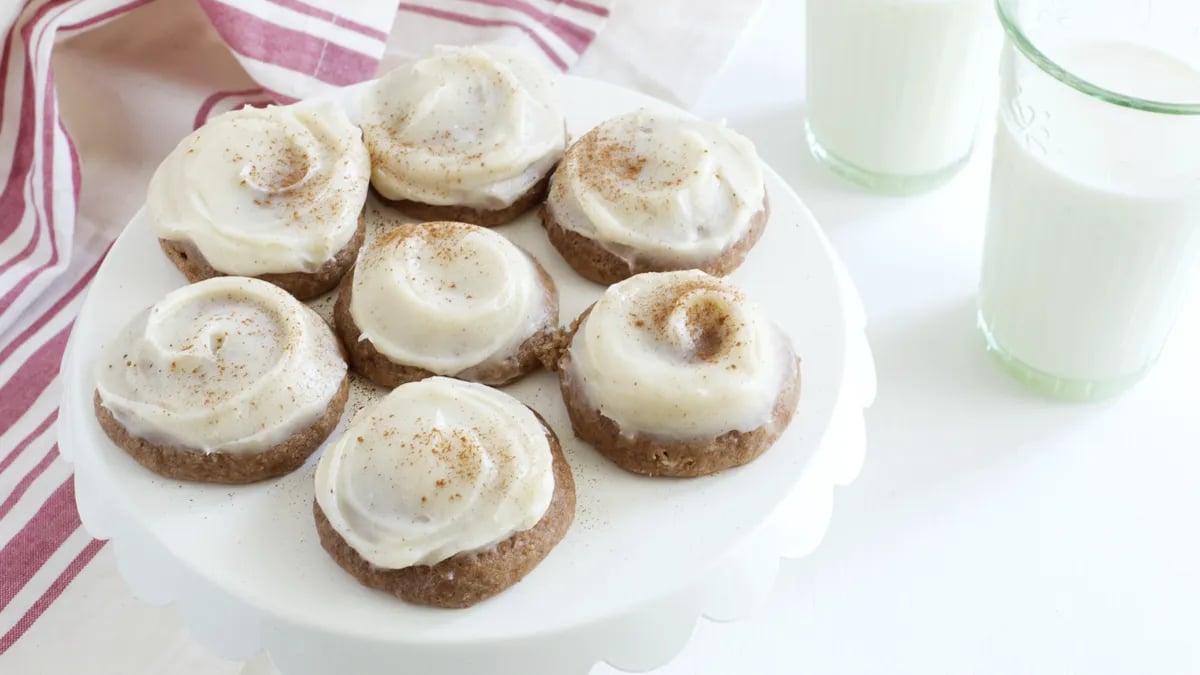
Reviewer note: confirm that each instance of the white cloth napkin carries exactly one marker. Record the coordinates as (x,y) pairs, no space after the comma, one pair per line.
(668,48)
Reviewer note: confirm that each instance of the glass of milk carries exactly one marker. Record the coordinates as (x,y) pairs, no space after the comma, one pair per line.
(1094,216)
(896,88)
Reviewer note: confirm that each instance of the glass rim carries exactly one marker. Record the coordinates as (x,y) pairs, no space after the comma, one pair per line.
(1022,42)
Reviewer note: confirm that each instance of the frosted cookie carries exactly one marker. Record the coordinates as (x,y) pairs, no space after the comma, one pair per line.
(445,493)
(646,192)
(678,374)
(274,193)
(445,299)
(468,134)
(229,380)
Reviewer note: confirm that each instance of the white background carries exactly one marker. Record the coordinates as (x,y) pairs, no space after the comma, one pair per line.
(990,531)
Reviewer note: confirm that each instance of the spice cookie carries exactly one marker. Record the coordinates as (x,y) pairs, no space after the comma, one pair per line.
(468,134)
(229,380)
(678,374)
(274,193)
(646,192)
(445,493)
(445,299)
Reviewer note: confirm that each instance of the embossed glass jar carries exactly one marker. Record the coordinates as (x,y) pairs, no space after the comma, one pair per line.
(1093,229)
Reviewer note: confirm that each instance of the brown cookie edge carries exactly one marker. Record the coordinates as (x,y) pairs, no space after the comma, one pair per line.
(302,285)
(375,366)
(181,463)
(474,216)
(647,456)
(467,578)
(594,262)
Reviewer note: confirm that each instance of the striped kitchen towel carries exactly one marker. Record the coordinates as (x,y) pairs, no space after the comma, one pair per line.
(79,151)
(559,30)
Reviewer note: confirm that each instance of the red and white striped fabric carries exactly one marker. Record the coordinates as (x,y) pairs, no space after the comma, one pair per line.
(149,72)
(559,29)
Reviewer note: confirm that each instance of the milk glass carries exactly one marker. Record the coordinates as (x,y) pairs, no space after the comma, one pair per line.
(1093,223)
(896,88)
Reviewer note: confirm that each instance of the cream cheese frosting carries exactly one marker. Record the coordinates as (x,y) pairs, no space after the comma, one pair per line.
(436,468)
(680,355)
(469,126)
(229,364)
(270,190)
(448,297)
(650,186)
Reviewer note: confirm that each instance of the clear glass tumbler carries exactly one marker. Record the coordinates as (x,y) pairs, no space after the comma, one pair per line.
(1094,215)
(896,88)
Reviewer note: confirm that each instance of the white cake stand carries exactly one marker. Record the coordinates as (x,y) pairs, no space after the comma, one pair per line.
(645,559)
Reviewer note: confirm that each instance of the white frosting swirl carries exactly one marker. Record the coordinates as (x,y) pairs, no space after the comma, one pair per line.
(271,190)
(447,297)
(436,468)
(470,126)
(650,186)
(228,364)
(680,355)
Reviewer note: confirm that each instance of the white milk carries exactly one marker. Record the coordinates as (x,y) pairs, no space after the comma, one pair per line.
(897,86)
(1088,252)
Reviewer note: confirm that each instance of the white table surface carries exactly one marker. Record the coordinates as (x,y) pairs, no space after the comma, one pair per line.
(991,531)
